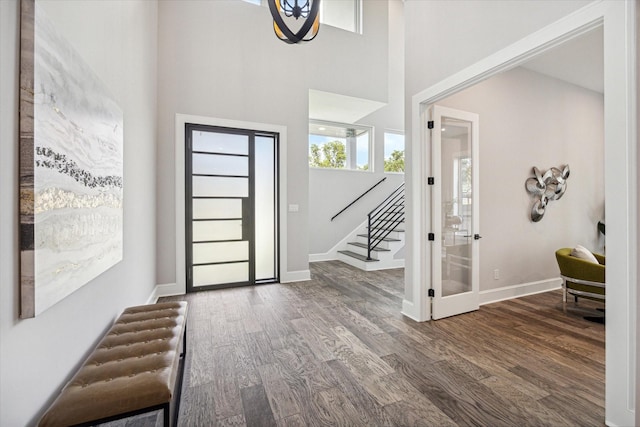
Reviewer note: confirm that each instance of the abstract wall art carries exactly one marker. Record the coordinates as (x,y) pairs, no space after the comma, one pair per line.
(71,168)
(545,188)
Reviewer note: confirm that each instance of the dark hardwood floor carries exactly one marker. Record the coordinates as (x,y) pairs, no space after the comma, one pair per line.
(336,351)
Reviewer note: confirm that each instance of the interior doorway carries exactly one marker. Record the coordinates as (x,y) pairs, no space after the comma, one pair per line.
(620,181)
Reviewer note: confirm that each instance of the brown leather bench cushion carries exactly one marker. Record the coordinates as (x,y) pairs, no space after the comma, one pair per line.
(134,367)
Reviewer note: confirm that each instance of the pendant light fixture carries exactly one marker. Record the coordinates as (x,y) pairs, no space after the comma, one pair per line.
(309,10)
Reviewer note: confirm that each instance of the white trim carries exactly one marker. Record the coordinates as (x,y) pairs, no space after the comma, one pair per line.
(521,290)
(181,120)
(565,29)
(153,298)
(621,182)
(165,290)
(327,256)
(409,310)
(295,276)
(382,264)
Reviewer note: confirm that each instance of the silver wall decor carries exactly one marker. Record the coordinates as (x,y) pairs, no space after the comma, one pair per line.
(546,187)
(71,168)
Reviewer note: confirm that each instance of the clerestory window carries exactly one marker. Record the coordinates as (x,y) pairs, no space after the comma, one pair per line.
(345,14)
(393,151)
(339,146)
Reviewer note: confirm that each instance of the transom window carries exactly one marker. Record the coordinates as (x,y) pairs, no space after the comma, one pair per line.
(343,14)
(339,146)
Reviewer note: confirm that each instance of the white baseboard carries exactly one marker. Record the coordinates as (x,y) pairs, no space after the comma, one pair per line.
(172,289)
(409,310)
(165,290)
(516,291)
(153,298)
(295,276)
(327,256)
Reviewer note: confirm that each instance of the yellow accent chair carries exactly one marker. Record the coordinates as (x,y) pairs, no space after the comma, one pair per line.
(580,277)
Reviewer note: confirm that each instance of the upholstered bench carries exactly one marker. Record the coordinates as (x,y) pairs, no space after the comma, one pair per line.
(136,368)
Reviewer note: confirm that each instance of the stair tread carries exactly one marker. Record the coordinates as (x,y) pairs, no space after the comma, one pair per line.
(357,256)
(386,239)
(364,245)
(389,229)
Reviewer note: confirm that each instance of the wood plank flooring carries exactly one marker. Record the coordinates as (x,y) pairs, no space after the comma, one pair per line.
(336,351)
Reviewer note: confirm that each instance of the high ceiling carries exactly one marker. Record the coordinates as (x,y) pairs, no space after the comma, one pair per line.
(579,61)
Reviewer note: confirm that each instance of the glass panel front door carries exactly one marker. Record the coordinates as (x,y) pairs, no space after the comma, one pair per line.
(231,193)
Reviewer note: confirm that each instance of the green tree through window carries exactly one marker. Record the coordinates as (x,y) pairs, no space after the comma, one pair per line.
(395,162)
(329,155)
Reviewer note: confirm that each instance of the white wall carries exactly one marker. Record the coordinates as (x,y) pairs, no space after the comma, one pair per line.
(331,190)
(481,28)
(118,40)
(221,59)
(528,119)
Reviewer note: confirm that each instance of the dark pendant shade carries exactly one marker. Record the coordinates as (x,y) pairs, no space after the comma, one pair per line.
(306,9)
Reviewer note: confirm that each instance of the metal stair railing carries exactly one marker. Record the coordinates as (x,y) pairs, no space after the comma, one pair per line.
(359,197)
(384,219)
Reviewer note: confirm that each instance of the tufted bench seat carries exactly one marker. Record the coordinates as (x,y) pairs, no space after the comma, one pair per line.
(136,368)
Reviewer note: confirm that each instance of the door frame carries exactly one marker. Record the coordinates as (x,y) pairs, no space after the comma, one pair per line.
(452,305)
(621,186)
(181,120)
(248,205)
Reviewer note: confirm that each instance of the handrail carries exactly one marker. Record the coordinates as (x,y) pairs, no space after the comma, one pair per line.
(386,201)
(359,197)
(391,210)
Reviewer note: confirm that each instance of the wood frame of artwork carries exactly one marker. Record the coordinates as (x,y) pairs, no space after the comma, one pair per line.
(70,167)
(26,111)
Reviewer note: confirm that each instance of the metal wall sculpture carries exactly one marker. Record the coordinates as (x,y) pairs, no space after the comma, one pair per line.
(71,168)
(546,187)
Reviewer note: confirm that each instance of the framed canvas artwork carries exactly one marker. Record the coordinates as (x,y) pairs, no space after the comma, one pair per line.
(71,167)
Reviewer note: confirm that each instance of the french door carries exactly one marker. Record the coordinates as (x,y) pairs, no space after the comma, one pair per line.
(231,207)
(455,209)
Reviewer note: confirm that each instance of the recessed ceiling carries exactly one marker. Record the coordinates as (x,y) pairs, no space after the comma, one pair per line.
(579,61)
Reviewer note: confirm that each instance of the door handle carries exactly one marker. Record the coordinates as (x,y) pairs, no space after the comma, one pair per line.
(477,237)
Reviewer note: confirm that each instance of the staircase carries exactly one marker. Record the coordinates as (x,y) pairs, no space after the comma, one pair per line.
(376,247)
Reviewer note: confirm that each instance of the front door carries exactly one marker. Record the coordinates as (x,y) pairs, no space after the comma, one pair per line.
(231,207)
(454,204)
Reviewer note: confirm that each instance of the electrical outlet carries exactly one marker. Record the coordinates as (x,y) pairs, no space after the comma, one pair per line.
(496,274)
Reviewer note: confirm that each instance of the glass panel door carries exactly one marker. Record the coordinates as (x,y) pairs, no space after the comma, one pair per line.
(455,212)
(231,192)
